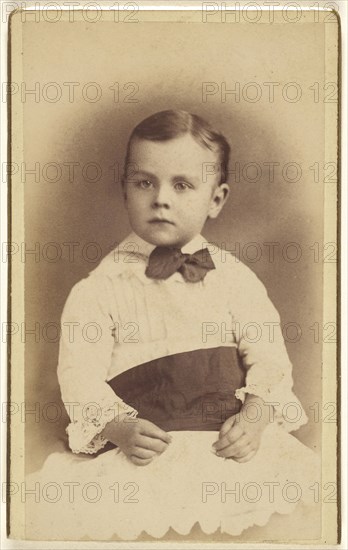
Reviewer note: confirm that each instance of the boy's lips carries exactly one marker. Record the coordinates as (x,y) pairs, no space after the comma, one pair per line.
(160,220)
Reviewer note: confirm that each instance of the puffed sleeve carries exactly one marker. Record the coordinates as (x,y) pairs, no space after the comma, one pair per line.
(262,348)
(85,352)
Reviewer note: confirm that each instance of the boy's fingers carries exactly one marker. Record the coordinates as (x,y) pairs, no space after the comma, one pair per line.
(232,452)
(229,438)
(151,430)
(236,449)
(140,461)
(227,425)
(152,444)
(246,458)
(140,452)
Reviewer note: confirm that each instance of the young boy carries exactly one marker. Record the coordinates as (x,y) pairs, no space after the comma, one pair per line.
(170,317)
(158,362)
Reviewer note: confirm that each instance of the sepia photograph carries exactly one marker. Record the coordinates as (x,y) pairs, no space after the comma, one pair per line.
(174,256)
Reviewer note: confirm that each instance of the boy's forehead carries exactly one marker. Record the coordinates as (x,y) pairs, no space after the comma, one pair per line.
(167,152)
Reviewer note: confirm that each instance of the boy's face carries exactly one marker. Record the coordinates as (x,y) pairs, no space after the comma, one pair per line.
(171,189)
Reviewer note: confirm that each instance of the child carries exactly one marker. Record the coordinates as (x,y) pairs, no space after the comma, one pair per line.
(172,358)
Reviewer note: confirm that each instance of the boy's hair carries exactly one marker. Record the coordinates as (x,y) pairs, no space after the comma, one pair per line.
(171,124)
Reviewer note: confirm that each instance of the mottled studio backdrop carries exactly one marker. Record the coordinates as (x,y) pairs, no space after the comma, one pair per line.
(76,132)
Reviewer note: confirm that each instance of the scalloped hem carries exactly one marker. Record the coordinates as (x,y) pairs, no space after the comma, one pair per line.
(239,524)
(233,526)
(187,484)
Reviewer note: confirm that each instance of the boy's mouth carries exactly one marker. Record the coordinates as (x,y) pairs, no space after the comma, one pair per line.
(160,220)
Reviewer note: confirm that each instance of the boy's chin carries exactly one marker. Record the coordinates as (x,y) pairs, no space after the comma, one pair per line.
(170,243)
(166,240)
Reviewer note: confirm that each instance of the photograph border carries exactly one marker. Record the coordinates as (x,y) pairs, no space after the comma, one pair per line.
(332,282)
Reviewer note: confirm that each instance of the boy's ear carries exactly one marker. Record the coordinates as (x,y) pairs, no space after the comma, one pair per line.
(219,198)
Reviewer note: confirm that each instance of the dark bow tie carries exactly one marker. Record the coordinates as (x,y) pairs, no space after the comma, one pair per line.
(163,262)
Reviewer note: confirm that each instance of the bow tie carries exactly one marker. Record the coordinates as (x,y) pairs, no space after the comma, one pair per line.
(163,262)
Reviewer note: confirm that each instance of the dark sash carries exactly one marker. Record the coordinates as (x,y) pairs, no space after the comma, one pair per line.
(186,391)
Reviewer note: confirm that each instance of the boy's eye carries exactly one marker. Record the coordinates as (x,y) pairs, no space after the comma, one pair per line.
(145,184)
(181,186)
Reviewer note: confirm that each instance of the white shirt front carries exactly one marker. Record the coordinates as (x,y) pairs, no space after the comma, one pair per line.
(118,318)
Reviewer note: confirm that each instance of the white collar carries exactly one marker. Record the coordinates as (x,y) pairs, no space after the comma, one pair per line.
(135,244)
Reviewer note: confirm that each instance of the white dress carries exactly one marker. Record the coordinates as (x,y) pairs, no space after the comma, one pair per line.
(116,319)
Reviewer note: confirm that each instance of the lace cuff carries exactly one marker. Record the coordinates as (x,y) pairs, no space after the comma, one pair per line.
(85,433)
(288,411)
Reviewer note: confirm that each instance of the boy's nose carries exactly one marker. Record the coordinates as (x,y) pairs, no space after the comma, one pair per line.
(162,198)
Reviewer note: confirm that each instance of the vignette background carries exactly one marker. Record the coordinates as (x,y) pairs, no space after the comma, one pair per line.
(169,61)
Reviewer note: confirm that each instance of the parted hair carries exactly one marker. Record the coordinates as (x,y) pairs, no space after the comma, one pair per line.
(166,125)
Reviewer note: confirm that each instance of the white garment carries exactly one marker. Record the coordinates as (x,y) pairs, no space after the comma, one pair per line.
(107,496)
(134,319)
(118,318)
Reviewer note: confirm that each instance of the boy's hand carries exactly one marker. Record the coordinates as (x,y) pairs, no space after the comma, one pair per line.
(239,438)
(236,440)
(140,439)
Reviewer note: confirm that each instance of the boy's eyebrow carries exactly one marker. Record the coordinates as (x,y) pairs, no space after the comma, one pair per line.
(181,177)
(137,170)
(178,177)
